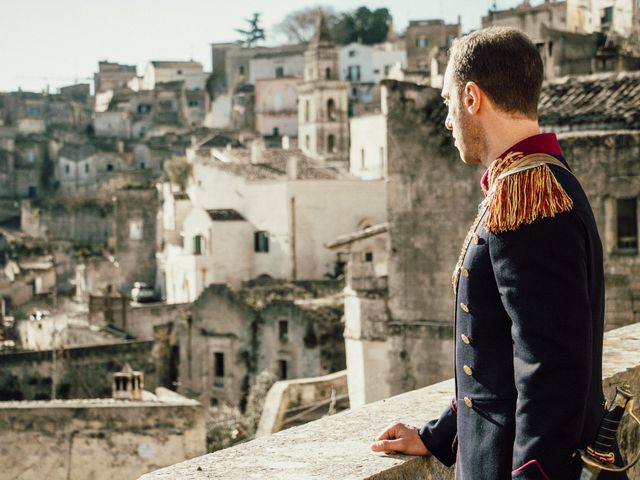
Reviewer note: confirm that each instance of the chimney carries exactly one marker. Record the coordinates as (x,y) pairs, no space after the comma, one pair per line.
(128,384)
(292,168)
(286,142)
(256,152)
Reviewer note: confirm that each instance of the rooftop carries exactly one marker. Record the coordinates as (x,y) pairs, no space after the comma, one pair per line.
(273,165)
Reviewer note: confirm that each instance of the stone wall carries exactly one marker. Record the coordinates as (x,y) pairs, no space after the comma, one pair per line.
(100,439)
(78,372)
(339,446)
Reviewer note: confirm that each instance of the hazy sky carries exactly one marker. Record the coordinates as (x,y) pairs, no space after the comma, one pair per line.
(59,42)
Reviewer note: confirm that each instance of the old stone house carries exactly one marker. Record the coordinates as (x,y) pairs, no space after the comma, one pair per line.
(228,337)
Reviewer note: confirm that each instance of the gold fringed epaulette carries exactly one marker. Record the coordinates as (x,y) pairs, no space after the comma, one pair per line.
(524,189)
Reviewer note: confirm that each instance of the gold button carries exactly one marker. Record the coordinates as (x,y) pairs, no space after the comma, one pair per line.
(467,369)
(468,402)
(464,271)
(465,339)
(464,307)
(475,238)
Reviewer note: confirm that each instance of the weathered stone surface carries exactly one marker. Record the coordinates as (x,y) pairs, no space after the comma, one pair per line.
(338,446)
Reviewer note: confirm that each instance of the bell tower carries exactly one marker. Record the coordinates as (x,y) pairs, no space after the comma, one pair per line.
(323,124)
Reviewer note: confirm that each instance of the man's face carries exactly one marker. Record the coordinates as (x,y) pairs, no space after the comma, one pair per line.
(465,127)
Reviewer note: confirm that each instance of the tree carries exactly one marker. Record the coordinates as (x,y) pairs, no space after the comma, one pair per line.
(255,33)
(362,25)
(299,25)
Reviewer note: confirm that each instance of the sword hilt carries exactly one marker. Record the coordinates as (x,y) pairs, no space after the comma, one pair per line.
(609,425)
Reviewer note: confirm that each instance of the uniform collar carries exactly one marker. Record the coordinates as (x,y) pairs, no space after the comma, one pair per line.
(540,143)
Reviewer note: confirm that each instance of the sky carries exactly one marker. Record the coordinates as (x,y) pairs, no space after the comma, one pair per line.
(59,42)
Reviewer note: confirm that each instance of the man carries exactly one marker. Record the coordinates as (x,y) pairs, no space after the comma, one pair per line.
(529,284)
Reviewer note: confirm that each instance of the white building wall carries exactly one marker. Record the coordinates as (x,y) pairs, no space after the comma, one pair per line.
(368,150)
(372,60)
(193,76)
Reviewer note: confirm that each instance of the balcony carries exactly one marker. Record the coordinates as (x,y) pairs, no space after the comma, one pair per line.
(338,446)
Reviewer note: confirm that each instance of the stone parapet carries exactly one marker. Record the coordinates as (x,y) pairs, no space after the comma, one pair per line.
(338,446)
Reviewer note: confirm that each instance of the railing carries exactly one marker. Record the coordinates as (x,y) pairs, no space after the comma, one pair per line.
(338,446)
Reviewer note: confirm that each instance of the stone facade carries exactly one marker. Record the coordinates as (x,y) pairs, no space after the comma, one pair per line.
(99,439)
(228,337)
(424,38)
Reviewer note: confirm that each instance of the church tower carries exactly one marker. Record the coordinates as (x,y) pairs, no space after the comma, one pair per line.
(323,124)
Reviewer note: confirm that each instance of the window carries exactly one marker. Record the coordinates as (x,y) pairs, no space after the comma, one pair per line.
(307,142)
(387,68)
(363,164)
(422,42)
(31,156)
(241,70)
(197,245)
(109,167)
(135,229)
(353,74)
(279,72)
(327,73)
(368,256)
(66,169)
(34,111)
(627,222)
(218,369)
(283,330)
(331,143)
(276,132)
(283,368)
(141,165)
(261,241)
(144,108)
(331,109)
(214,402)
(376,71)
(194,103)
(166,105)
(179,72)
(86,168)
(307,107)
(352,53)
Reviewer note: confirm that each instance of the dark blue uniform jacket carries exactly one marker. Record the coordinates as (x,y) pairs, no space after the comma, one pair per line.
(529,325)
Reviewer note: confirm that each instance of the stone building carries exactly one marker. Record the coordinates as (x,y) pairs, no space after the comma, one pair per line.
(229,337)
(190,72)
(323,129)
(112,76)
(276,106)
(425,38)
(406,327)
(292,206)
(135,235)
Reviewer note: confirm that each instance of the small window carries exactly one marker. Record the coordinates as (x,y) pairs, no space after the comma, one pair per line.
(327,73)
(218,369)
(352,53)
(144,108)
(283,369)
(422,42)
(214,402)
(363,163)
(627,222)
(241,69)
(194,103)
(109,167)
(179,72)
(368,256)
(261,241)
(331,109)
(307,107)
(331,143)
(142,165)
(307,142)
(279,72)
(376,71)
(66,169)
(197,245)
(86,168)
(135,229)
(283,330)
(276,132)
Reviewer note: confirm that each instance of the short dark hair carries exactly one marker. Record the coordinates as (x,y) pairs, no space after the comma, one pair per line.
(504,63)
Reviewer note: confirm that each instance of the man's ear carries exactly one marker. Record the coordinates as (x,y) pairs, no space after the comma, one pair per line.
(472,97)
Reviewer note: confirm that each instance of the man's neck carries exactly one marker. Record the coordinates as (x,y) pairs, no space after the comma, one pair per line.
(506,132)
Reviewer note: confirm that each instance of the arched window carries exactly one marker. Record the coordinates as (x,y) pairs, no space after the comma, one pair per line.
(331,143)
(306,110)
(331,109)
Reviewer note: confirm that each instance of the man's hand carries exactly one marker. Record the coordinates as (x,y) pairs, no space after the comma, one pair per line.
(398,438)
